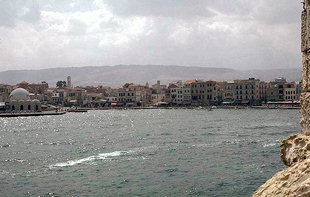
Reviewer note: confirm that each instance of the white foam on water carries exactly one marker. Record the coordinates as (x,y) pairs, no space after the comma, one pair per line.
(269,145)
(101,156)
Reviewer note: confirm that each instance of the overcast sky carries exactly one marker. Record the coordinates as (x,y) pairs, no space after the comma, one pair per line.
(241,34)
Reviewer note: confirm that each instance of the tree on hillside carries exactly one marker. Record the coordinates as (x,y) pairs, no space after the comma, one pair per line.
(126,85)
(61,84)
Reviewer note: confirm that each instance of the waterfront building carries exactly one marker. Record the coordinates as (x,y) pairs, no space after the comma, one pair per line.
(275,90)
(262,91)
(158,98)
(94,100)
(111,96)
(291,92)
(159,88)
(143,94)
(176,93)
(246,91)
(134,95)
(198,92)
(187,92)
(111,99)
(5,91)
(159,94)
(55,98)
(126,95)
(61,95)
(19,101)
(204,93)
(227,93)
(75,97)
(217,94)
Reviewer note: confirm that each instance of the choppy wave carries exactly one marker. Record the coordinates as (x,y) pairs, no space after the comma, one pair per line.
(101,156)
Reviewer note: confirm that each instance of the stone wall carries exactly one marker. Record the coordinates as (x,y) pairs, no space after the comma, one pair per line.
(305,49)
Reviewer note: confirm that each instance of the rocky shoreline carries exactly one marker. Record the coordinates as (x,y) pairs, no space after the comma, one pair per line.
(294,180)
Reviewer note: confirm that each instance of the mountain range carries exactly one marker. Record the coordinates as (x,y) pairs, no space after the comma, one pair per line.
(117,75)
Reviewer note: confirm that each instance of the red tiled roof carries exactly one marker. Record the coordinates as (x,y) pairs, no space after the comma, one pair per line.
(173,86)
(190,81)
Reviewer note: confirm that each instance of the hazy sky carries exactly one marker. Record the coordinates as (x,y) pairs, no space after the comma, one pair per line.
(241,34)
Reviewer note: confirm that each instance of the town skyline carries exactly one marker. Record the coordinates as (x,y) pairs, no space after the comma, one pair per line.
(191,92)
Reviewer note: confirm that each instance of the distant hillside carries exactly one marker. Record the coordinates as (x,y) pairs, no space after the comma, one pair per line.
(118,75)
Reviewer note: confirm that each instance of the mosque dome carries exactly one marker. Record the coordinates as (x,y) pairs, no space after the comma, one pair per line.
(19,94)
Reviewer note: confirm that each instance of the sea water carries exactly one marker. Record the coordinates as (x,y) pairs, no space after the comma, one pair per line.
(158,152)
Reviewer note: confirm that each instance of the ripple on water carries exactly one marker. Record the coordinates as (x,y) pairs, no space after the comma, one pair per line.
(174,153)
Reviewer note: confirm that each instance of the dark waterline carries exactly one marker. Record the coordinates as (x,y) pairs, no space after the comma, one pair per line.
(143,152)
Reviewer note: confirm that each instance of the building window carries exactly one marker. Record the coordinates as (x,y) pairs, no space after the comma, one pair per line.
(21,107)
(29,107)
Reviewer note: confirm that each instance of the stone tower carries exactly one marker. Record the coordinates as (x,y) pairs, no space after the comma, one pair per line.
(305,49)
(69,84)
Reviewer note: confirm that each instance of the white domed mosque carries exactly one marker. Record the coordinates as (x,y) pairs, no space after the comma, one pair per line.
(19,101)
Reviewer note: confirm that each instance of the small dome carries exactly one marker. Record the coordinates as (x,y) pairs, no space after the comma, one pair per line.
(19,94)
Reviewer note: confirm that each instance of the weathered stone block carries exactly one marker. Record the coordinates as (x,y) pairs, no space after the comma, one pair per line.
(305,112)
(304,31)
(306,72)
(291,182)
(295,180)
(295,149)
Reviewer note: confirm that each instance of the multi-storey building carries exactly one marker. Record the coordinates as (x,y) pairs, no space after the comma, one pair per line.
(275,90)
(262,90)
(126,95)
(76,96)
(158,98)
(246,91)
(225,91)
(159,94)
(187,93)
(143,94)
(158,88)
(176,94)
(291,91)
(134,94)
(204,93)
